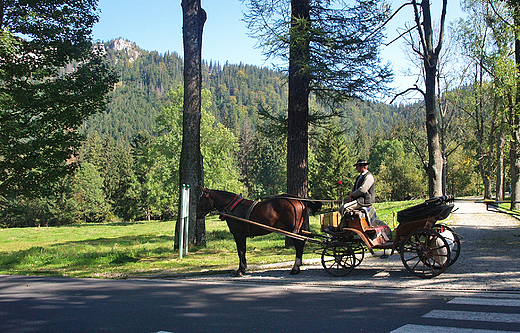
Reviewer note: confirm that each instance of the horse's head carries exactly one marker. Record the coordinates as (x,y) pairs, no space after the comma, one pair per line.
(206,204)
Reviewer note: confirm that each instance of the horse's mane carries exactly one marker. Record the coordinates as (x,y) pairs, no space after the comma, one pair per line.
(223,192)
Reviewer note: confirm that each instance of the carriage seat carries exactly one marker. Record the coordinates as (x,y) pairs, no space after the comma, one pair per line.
(361,219)
(364,220)
(438,208)
(366,215)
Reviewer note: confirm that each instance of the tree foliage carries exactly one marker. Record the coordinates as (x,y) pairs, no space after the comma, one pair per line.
(399,174)
(51,80)
(344,42)
(218,147)
(332,49)
(332,175)
(88,194)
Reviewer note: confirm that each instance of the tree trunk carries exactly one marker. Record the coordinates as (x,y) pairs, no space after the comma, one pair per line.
(432,131)
(484,174)
(480,115)
(515,162)
(501,143)
(499,187)
(515,128)
(191,167)
(430,59)
(298,104)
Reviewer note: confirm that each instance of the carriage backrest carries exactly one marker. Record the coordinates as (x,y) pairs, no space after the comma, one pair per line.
(371,215)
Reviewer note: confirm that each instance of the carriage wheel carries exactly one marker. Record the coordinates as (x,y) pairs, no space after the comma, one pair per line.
(338,258)
(425,253)
(359,251)
(453,241)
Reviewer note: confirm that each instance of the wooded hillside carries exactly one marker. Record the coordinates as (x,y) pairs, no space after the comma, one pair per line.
(237,90)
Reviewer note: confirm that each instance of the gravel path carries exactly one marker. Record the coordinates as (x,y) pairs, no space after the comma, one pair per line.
(490,249)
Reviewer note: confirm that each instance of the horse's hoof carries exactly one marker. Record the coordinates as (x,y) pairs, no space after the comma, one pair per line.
(238,273)
(295,271)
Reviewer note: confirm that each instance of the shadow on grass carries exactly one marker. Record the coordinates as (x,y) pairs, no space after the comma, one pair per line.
(513,213)
(220,235)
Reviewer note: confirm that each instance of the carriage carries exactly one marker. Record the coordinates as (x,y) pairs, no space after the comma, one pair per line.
(427,248)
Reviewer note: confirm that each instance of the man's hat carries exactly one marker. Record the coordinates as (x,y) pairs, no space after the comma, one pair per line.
(361,162)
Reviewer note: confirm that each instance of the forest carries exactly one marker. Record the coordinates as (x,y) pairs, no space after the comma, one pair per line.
(128,162)
(123,162)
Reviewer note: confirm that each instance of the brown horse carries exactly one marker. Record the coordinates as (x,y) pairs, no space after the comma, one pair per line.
(284,212)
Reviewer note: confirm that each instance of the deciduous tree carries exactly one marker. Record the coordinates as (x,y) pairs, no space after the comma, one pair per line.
(430,56)
(514,5)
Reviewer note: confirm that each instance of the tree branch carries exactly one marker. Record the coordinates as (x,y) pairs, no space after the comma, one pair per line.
(418,25)
(407,91)
(401,35)
(386,22)
(441,31)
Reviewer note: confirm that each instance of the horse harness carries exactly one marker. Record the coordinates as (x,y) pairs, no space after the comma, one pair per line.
(233,204)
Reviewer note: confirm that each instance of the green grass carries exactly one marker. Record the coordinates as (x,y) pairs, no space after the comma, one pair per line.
(506,207)
(119,250)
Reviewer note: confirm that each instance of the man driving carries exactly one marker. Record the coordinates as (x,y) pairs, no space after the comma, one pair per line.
(363,191)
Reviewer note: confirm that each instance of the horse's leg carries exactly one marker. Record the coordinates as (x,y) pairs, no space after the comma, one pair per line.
(240,240)
(298,245)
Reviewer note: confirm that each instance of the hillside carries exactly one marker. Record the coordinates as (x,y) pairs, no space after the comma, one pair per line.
(237,90)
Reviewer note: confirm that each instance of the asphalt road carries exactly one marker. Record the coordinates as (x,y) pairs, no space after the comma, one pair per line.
(42,304)
(481,291)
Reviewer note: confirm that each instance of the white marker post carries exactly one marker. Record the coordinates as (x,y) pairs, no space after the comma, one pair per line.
(184,220)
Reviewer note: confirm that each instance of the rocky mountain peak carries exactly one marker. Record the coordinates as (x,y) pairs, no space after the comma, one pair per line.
(128,47)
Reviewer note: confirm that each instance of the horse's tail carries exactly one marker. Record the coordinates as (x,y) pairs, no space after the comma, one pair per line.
(313,205)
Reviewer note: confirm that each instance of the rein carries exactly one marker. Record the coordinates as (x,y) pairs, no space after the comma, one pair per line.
(299,198)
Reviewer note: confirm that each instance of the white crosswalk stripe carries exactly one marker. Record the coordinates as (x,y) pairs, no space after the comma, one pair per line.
(485,301)
(474,316)
(442,329)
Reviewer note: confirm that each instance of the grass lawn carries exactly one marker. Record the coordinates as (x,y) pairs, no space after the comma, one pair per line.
(119,250)
(506,207)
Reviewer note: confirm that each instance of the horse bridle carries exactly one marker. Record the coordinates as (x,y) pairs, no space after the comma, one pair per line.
(206,195)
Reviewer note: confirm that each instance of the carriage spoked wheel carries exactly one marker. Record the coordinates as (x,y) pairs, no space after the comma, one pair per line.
(359,250)
(338,258)
(425,253)
(453,240)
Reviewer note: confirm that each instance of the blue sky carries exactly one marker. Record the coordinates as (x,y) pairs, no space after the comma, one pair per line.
(156,25)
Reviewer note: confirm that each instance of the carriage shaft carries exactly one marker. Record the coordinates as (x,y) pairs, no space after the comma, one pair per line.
(276,230)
